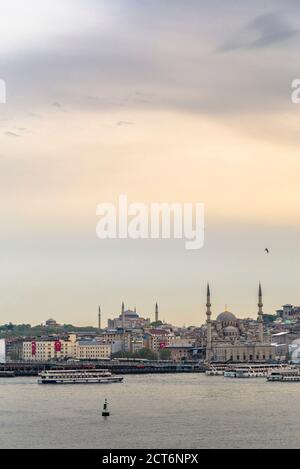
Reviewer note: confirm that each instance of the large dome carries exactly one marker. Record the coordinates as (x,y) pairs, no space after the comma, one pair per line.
(226,316)
(130,314)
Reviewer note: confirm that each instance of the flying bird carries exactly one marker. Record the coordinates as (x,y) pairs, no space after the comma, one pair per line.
(267,250)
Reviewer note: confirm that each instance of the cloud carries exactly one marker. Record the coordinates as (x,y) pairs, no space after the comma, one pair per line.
(156,57)
(264,30)
(33,114)
(121,123)
(11,134)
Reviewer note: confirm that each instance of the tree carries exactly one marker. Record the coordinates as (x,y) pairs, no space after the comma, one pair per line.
(165,354)
(269,318)
(121,354)
(146,354)
(156,323)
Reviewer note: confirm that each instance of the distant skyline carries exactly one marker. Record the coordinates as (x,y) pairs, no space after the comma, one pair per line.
(165,102)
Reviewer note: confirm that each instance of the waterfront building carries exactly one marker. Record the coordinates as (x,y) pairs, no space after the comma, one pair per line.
(230,339)
(118,338)
(2,351)
(137,343)
(72,348)
(46,350)
(92,350)
(157,339)
(289,312)
(184,341)
(180,353)
(14,349)
(285,342)
(294,351)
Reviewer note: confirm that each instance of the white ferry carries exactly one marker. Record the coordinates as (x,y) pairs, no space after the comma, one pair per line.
(78,377)
(253,371)
(215,371)
(286,376)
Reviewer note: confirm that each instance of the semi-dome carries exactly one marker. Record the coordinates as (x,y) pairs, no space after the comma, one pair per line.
(231,330)
(226,316)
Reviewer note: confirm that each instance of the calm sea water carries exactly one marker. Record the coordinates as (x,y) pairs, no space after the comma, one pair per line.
(151,411)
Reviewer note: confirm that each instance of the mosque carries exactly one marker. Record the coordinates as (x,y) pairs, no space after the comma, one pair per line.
(129,319)
(238,340)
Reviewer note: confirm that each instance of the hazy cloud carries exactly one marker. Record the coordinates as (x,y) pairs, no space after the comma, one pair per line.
(120,123)
(262,31)
(11,134)
(157,56)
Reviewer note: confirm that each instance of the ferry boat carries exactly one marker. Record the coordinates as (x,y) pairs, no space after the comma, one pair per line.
(253,371)
(78,377)
(215,371)
(286,376)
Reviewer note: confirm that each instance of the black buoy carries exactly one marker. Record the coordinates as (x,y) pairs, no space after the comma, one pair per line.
(105,412)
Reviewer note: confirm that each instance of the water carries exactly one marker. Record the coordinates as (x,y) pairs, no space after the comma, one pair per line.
(151,411)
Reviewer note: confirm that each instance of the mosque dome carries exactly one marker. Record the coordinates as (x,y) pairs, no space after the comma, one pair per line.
(231,331)
(131,314)
(226,317)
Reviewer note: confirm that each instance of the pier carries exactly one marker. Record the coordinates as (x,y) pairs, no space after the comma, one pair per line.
(33,369)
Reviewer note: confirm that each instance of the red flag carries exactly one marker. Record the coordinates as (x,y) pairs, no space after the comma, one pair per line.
(57,346)
(33,348)
(162,345)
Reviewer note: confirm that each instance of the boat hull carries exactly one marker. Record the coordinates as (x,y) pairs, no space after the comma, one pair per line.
(295,379)
(82,381)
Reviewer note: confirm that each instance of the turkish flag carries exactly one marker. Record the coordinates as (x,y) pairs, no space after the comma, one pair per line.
(57,346)
(162,345)
(33,348)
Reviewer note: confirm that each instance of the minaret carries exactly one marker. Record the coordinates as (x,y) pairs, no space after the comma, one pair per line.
(156,312)
(208,323)
(260,316)
(123,316)
(99,318)
(123,327)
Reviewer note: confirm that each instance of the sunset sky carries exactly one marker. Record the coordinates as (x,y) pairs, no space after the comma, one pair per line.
(165,101)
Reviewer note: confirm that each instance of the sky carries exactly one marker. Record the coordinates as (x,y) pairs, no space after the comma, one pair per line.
(164,101)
